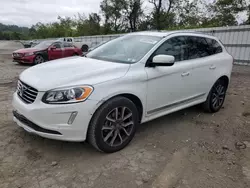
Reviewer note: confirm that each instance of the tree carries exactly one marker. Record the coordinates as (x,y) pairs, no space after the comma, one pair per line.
(159,12)
(225,12)
(113,14)
(188,13)
(94,23)
(248,14)
(133,9)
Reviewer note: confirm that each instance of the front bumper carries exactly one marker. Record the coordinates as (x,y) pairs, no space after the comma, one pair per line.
(25,59)
(52,121)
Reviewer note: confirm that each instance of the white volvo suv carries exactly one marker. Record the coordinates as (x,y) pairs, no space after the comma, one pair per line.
(133,79)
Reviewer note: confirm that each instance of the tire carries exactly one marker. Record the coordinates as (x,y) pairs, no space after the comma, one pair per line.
(75,54)
(38,60)
(216,97)
(85,48)
(107,131)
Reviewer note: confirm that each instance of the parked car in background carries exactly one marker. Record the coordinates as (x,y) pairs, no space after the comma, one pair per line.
(130,80)
(83,45)
(29,44)
(45,51)
(86,46)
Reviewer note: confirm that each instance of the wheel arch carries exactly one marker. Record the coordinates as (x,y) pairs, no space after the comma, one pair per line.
(135,99)
(44,54)
(225,79)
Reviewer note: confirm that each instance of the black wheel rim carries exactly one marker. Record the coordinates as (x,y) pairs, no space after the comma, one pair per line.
(118,126)
(218,96)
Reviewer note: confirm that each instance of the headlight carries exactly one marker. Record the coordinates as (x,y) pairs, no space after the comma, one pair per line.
(67,95)
(29,54)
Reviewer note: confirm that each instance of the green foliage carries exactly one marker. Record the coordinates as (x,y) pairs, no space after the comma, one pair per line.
(12,32)
(113,14)
(120,16)
(225,12)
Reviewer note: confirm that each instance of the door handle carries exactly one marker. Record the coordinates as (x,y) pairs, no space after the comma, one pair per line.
(185,74)
(212,67)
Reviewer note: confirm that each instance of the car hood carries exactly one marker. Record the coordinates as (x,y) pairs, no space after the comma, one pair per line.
(27,50)
(72,71)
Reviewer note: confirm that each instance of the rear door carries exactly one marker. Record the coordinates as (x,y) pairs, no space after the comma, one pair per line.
(204,63)
(69,49)
(57,52)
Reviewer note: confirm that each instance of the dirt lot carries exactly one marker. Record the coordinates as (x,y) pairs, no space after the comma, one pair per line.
(187,149)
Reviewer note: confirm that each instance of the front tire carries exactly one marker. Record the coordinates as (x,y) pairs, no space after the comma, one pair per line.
(113,125)
(216,97)
(38,60)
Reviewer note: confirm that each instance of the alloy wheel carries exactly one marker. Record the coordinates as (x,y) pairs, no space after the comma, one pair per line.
(218,96)
(39,59)
(118,126)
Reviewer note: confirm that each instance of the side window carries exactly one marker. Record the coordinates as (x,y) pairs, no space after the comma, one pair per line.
(197,47)
(67,45)
(214,46)
(57,45)
(175,46)
(69,40)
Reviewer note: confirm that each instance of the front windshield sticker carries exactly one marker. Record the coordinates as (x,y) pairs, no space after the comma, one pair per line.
(148,41)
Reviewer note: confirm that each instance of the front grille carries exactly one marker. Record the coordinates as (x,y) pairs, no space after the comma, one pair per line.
(17,55)
(32,125)
(27,93)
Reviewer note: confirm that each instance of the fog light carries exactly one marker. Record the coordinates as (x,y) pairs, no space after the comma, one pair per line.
(72,117)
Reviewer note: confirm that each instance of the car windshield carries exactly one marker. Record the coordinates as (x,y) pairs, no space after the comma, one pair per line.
(127,49)
(43,45)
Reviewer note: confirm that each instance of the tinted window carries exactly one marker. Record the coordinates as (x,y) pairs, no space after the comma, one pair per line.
(57,45)
(69,40)
(67,45)
(214,46)
(176,47)
(197,47)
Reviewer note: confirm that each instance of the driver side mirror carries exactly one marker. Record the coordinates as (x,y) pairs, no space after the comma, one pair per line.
(163,60)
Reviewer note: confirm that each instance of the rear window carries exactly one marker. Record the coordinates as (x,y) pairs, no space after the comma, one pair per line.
(197,47)
(214,46)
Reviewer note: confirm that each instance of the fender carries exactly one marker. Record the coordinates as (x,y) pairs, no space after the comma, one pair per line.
(43,53)
(102,101)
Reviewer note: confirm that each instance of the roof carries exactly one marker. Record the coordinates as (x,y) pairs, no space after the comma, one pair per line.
(151,33)
(166,33)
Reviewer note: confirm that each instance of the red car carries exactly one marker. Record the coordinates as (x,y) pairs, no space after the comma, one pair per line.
(45,51)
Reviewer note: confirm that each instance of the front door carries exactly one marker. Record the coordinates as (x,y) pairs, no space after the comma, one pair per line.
(169,87)
(57,52)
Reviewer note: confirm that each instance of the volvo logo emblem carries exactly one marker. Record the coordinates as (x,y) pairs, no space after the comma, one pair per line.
(22,89)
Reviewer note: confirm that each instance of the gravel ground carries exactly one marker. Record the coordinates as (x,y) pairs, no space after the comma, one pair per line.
(187,149)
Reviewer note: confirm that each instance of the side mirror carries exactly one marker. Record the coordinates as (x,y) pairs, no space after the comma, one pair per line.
(53,47)
(163,60)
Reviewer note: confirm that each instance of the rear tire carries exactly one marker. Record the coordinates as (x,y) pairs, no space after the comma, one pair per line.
(216,97)
(85,48)
(113,125)
(38,60)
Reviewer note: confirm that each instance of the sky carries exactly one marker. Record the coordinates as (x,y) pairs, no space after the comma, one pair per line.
(29,12)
